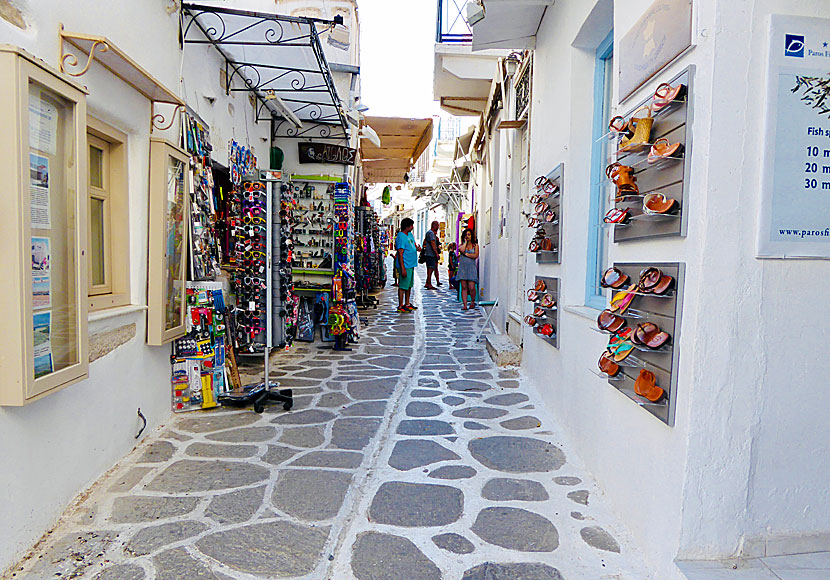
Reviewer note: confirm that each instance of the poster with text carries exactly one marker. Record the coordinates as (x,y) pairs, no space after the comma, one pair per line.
(794,220)
(39,191)
(41,273)
(42,343)
(43,122)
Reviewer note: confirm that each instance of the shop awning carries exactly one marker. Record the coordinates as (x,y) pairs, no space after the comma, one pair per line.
(402,141)
(279,59)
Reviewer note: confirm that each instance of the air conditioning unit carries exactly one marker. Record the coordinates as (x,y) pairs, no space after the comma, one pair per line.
(475,12)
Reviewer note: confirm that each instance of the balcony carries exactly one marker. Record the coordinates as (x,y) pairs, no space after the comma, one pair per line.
(452,23)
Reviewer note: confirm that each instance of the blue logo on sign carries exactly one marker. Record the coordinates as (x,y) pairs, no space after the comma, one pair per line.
(794,45)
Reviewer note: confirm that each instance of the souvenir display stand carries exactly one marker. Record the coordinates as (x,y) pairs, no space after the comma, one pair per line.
(657,171)
(368,256)
(547,217)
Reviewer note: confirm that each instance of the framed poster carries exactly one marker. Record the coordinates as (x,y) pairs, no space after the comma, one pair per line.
(794,218)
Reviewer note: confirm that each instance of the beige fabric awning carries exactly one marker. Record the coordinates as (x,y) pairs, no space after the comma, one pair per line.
(401,143)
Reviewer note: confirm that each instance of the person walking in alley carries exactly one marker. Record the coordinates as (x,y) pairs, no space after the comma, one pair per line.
(405,261)
(468,268)
(431,255)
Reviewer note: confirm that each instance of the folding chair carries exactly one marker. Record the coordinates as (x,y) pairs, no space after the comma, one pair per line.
(484,304)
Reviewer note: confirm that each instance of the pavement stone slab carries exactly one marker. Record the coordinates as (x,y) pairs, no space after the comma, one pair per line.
(516,529)
(157,452)
(410,453)
(306,417)
(188,475)
(425,393)
(277,454)
(598,538)
(517,454)
(214,450)
(244,435)
(121,572)
(177,564)
(136,508)
(423,409)
(365,409)
(333,459)
(522,423)
(409,505)
(514,571)
(353,432)
(216,421)
(453,472)
(479,413)
(235,507)
(377,556)
(510,489)
(303,436)
(148,540)
(455,543)
(424,427)
(311,494)
(508,399)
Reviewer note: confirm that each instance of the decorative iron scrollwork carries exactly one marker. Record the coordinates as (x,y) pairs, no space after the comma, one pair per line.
(159,122)
(523,90)
(70,59)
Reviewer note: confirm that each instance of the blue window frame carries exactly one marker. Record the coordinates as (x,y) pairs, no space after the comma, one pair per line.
(598,236)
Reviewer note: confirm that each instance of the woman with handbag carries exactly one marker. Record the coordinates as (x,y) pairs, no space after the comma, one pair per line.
(468,268)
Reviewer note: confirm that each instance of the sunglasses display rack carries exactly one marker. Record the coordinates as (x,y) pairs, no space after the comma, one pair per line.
(543,299)
(546,217)
(649,186)
(199,358)
(205,254)
(251,277)
(648,310)
(289,300)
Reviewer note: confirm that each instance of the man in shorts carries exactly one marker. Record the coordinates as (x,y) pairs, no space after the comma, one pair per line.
(431,255)
(405,261)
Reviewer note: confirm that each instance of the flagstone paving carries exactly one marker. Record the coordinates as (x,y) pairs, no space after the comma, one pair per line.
(412,457)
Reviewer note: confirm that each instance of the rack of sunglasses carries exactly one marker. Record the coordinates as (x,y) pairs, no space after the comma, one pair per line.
(643,323)
(649,167)
(205,254)
(544,317)
(251,278)
(546,217)
(199,357)
(286,325)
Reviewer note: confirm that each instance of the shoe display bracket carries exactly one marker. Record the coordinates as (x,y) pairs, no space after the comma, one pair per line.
(551,314)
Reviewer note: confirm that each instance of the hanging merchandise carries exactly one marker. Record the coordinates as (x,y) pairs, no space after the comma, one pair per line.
(386,198)
(241,162)
(290,301)
(199,357)
(205,255)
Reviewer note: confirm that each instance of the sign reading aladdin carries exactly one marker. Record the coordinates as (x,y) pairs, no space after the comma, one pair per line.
(325,153)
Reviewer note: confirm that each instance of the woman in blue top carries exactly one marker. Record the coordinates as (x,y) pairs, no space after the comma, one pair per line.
(406,261)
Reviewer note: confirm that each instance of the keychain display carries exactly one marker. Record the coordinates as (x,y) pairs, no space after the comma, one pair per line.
(199,357)
(241,162)
(206,254)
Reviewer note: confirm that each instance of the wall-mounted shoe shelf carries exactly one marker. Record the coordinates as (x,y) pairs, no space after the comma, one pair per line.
(664,311)
(551,314)
(668,176)
(553,229)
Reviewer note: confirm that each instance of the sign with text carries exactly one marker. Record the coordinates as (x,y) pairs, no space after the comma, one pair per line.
(325,153)
(794,220)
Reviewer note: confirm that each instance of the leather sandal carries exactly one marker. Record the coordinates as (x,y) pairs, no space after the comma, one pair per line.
(659,204)
(541,208)
(540,286)
(610,322)
(623,177)
(539,312)
(663,150)
(649,335)
(616,216)
(613,278)
(618,124)
(653,281)
(646,386)
(546,245)
(642,131)
(530,321)
(607,365)
(546,329)
(532,295)
(548,301)
(665,95)
(534,246)
(550,215)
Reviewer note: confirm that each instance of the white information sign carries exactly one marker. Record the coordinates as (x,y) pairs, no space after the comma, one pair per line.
(794,219)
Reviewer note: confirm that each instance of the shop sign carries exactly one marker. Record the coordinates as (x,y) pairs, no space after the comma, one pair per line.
(662,34)
(325,153)
(794,220)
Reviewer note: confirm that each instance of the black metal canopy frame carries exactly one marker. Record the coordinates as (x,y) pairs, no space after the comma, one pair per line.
(273,55)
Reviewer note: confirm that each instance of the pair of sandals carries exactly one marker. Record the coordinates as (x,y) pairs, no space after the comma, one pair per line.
(645,385)
(545,187)
(652,281)
(653,204)
(545,301)
(623,177)
(662,149)
(634,132)
(646,334)
(541,245)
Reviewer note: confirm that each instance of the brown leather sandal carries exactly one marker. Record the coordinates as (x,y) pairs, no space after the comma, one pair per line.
(659,204)
(649,335)
(613,278)
(547,245)
(653,281)
(607,365)
(665,95)
(623,178)
(610,322)
(646,386)
(663,150)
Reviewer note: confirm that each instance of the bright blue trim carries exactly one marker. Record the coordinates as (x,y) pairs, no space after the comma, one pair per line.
(592,298)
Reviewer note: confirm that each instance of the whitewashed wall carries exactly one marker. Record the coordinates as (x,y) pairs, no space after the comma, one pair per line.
(56,447)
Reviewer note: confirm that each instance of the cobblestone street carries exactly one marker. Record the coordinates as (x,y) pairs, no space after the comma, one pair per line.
(412,457)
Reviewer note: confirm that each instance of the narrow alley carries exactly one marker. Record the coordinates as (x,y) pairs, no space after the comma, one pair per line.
(411,457)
